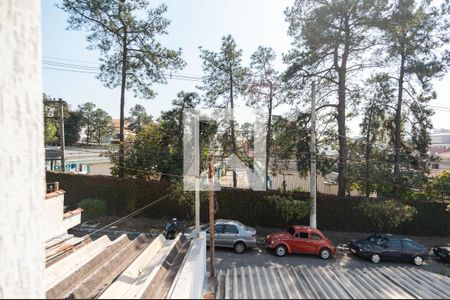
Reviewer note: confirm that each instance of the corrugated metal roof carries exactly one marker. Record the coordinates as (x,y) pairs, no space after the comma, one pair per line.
(302,282)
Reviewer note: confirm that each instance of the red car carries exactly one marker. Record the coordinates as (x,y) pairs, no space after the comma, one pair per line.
(301,239)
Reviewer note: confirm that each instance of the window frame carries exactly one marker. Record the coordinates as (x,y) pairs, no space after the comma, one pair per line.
(299,233)
(228,226)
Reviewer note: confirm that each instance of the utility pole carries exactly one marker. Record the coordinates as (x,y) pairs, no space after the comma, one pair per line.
(197,179)
(313,172)
(284,184)
(62,141)
(212,275)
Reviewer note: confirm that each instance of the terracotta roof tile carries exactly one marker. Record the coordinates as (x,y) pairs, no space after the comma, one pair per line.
(73,213)
(54,194)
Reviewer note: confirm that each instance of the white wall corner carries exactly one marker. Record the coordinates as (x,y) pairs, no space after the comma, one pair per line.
(22,181)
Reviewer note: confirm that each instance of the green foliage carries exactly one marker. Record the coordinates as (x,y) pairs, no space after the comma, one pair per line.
(145,154)
(387,215)
(133,26)
(50,133)
(138,118)
(224,74)
(289,208)
(102,126)
(87,111)
(439,187)
(125,195)
(186,199)
(93,208)
(72,127)
(156,150)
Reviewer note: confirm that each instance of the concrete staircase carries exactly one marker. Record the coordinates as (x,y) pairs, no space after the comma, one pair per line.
(301,282)
(123,268)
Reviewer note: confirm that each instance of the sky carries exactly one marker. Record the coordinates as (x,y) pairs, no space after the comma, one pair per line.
(194,23)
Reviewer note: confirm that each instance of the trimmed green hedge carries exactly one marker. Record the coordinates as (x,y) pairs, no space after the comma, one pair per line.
(125,195)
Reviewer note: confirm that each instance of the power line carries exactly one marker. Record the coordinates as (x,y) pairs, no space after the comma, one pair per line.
(79,68)
(136,212)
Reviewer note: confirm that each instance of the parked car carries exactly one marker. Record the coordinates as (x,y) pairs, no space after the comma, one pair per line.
(381,246)
(443,252)
(301,239)
(228,234)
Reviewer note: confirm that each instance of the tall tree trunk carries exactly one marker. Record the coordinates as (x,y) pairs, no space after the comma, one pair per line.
(342,138)
(368,153)
(398,129)
(269,136)
(233,135)
(88,133)
(122,103)
(341,115)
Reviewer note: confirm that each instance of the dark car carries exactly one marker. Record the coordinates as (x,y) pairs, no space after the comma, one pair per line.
(442,252)
(379,247)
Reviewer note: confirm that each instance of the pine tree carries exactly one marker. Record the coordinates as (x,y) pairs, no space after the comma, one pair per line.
(126,32)
(224,81)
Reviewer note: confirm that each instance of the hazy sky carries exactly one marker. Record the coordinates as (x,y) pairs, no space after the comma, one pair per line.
(194,23)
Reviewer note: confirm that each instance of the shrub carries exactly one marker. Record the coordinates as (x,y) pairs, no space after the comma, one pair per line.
(93,208)
(289,208)
(387,215)
(125,195)
(185,199)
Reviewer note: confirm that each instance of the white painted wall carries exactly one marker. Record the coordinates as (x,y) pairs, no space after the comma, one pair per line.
(101,169)
(53,216)
(190,279)
(22,176)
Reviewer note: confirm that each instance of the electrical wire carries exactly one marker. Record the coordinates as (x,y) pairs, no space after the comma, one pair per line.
(136,212)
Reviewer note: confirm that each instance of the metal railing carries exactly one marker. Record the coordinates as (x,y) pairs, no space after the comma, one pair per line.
(52,187)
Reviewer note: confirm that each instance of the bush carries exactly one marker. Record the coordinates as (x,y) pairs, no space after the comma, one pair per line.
(289,208)
(125,195)
(387,215)
(93,208)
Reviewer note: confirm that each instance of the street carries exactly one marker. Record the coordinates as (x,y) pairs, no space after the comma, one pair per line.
(261,257)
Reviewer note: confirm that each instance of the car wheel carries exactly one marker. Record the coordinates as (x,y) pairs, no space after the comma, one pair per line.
(325,253)
(239,247)
(375,258)
(418,260)
(281,250)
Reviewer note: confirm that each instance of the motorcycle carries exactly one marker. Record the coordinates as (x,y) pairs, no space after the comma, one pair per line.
(171,229)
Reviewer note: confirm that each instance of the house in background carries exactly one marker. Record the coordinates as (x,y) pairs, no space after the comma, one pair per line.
(441,138)
(440,152)
(282,175)
(440,162)
(79,160)
(116,136)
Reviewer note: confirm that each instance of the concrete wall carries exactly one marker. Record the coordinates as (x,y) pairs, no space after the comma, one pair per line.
(100,169)
(191,277)
(293,181)
(22,176)
(53,216)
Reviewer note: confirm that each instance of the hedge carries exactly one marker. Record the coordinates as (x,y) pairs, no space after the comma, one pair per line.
(125,195)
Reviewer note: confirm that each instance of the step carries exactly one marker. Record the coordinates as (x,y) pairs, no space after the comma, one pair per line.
(131,274)
(89,265)
(95,283)
(65,267)
(149,268)
(162,282)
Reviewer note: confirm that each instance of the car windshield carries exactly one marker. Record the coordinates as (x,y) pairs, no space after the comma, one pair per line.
(291,230)
(204,227)
(242,225)
(373,238)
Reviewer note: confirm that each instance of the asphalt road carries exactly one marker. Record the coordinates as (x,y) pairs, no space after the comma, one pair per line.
(262,257)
